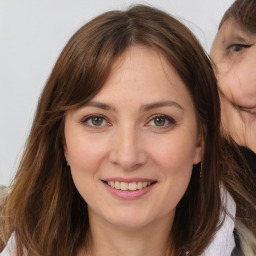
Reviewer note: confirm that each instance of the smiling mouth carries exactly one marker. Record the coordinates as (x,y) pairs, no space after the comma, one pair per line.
(129,186)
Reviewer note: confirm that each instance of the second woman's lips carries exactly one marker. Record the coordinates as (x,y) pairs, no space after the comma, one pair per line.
(247,109)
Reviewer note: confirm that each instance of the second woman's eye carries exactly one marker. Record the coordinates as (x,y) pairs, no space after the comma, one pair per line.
(95,121)
(238,47)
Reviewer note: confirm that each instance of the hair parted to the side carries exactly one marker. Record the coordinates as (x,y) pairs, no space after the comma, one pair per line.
(243,12)
(44,209)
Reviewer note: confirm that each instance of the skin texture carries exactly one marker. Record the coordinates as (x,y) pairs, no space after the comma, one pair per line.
(128,143)
(234,53)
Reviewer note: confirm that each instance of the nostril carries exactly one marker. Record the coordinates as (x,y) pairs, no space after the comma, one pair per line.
(128,159)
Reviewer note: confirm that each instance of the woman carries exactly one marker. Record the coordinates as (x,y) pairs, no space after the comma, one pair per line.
(125,155)
(234,53)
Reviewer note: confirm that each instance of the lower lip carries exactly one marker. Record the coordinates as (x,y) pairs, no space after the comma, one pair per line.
(128,194)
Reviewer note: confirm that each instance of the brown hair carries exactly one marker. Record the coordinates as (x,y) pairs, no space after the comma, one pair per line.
(44,209)
(243,12)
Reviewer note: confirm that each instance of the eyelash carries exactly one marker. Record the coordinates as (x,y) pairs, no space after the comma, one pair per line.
(89,118)
(170,121)
(234,47)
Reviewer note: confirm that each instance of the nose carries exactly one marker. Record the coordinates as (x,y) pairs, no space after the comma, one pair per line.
(247,69)
(127,150)
(247,78)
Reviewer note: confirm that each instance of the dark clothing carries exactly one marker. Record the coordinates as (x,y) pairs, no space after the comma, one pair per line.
(250,156)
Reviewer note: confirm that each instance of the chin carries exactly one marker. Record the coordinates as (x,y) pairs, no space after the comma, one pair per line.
(129,218)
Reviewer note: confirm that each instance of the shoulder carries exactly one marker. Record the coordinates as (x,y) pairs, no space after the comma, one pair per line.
(3,196)
(10,249)
(223,242)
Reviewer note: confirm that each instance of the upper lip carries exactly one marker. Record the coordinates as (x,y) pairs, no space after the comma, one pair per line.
(128,180)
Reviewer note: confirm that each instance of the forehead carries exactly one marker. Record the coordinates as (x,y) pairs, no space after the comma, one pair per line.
(234,31)
(144,71)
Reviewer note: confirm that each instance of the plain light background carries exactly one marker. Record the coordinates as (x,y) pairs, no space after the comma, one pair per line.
(32,34)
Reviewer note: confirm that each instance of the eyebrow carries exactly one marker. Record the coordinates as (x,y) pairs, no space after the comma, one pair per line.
(100,105)
(235,38)
(143,108)
(160,104)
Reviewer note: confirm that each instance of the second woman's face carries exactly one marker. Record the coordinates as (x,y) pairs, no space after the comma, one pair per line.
(234,53)
(131,149)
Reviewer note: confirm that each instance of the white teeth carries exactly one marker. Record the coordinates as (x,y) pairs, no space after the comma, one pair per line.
(139,185)
(144,184)
(124,186)
(117,185)
(132,186)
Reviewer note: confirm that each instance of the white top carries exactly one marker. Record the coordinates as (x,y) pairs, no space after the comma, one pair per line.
(222,244)
(10,249)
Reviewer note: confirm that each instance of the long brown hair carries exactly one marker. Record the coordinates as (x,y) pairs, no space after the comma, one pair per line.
(44,209)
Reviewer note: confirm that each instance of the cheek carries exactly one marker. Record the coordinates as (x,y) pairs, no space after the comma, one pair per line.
(225,77)
(229,84)
(246,82)
(238,83)
(175,156)
(85,152)
(176,163)
(85,159)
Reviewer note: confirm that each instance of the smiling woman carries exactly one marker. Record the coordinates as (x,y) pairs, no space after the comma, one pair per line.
(125,155)
(134,145)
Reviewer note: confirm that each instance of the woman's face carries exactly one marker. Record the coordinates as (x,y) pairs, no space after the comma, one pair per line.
(131,149)
(234,53)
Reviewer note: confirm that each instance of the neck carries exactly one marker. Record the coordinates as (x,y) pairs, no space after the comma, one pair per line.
(109,240)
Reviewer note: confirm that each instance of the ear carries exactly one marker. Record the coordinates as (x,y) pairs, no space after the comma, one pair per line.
(199,150)
(66,153)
